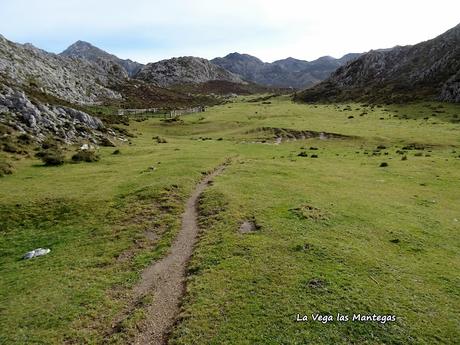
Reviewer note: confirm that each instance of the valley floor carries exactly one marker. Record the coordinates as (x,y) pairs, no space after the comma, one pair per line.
(330,230)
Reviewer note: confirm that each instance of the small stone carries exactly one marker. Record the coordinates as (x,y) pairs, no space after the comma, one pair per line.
(35,253)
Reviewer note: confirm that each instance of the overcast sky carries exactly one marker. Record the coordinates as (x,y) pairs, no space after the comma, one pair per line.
(149,31)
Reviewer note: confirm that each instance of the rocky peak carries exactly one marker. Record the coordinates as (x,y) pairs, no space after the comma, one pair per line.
(85,50)
(183,70)
(80,46)
(243,57)
(291,64)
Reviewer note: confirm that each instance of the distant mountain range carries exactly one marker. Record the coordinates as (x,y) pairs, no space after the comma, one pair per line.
(289,72)
(235,67)
(428,70)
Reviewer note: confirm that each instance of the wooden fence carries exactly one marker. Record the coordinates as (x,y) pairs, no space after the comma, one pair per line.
(136,111)
(179,112)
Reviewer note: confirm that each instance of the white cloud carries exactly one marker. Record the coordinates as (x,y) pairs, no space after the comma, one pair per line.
(151,30)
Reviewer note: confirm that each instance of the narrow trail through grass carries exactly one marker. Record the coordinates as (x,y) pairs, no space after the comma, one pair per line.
(165,278)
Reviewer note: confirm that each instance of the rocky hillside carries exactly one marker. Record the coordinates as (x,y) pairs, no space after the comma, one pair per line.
(429,69)
(85,50)
(73,80)
(288,72)
(40,94)
(184,70)
(19,114)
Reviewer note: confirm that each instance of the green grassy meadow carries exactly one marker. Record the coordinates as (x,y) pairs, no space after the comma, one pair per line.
(338,233)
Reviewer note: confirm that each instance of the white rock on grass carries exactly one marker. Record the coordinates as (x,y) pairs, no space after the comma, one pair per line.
(35,253)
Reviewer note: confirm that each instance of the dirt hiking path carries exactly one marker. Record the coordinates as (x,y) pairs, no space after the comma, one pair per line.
(165,279)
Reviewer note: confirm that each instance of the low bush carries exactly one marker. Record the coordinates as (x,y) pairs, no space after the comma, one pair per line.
(51,157)
(123,131)
(11,148)
(104,141)
(85,156)
(50,143)
(25,139)
(7,130)
(303,154)
(5,169)
(160,140)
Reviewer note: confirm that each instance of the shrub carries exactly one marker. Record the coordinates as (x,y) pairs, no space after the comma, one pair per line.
(5,169)
(160,140)
(383,164)
(50,143)
(303,154)
(106,142)
(85,156)
(7,130)
(173,120)
(25,139)
(11,148)
(123,131)
(116,152)
(51,157)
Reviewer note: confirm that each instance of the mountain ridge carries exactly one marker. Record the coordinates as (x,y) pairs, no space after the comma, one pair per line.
(285,73)
(429,69)
(289,72)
